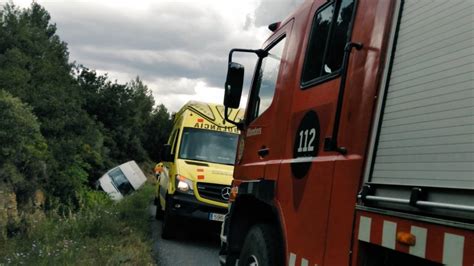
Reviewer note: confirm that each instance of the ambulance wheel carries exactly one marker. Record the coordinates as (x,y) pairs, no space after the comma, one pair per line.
(169,221)
(159,211)
(261,247)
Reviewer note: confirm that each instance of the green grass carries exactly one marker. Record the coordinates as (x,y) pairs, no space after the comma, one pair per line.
(102,233)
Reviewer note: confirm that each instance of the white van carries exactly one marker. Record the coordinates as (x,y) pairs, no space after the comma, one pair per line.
(122,180)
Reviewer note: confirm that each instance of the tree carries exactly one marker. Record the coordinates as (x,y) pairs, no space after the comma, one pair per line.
(157,131)
(34,67)
(124,111)
(23,149)
(85,122)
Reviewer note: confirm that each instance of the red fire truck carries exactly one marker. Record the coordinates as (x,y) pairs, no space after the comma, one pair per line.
(357,146)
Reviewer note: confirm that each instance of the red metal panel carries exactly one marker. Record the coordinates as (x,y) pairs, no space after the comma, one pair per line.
(376,231)
(434,250)
(304,204)
(469,251)
(341,211)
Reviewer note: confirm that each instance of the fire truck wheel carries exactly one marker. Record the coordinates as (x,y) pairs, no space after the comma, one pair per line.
(168,223)
(260,247)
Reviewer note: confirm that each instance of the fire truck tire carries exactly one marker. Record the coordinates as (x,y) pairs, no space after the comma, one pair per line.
(168,223)
(261,247)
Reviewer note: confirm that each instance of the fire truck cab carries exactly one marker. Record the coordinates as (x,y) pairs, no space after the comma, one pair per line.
(357,146)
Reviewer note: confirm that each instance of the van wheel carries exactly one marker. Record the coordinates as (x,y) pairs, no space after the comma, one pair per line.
(159,211)
(169,222)
(261,247)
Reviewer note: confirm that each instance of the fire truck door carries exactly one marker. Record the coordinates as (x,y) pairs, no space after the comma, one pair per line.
(260,139)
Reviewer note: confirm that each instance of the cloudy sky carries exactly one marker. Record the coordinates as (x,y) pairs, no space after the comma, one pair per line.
(179,48)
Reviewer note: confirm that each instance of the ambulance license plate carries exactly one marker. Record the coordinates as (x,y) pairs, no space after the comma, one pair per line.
(216,217)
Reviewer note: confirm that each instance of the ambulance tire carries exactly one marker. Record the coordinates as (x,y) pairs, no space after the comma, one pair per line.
(261,247)
(159,211)
(169,222)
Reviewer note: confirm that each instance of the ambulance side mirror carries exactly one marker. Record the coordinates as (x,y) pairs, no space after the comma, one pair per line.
(233,85)
(166,155)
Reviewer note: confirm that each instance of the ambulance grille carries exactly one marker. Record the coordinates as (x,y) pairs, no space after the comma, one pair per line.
(215,192)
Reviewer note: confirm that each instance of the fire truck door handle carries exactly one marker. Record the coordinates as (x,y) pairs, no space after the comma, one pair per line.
(263,151)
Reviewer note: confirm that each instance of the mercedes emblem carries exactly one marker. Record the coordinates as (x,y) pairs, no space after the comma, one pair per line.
(225,193)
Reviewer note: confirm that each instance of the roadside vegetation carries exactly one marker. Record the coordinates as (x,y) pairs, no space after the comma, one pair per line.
(62,125)
(102,233)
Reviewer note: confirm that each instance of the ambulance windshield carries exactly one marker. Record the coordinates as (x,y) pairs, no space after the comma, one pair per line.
(209,146)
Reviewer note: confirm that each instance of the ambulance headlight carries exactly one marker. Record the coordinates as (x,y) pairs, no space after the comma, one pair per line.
(184,185)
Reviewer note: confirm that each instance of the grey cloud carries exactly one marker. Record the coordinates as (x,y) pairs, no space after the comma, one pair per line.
(249,20)
(150,64)
(164,27)
(171,40)
(173,45)
(270,11)
(179,86)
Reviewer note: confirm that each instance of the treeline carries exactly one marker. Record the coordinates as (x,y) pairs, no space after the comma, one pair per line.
(62,124)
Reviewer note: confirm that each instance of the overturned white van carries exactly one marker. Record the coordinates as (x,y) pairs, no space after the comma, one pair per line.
(122,180)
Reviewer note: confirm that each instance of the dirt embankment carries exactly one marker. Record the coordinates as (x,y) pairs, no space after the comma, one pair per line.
(12,215)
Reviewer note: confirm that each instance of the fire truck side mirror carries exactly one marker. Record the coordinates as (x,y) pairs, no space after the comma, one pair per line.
(233,85)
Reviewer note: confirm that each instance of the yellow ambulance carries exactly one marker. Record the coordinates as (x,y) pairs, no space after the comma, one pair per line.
(197,165)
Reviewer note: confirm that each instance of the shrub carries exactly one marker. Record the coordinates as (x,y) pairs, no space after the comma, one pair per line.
(103,232)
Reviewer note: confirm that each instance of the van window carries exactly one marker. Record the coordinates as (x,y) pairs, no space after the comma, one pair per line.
(120,182)
(266,79)
(329,34)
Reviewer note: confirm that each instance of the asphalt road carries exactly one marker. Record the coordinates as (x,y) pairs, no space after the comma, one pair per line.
(196,244)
